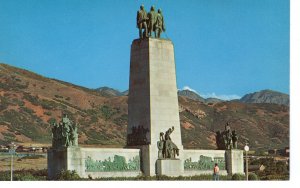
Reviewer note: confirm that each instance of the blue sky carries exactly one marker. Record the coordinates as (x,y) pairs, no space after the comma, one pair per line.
(223,48)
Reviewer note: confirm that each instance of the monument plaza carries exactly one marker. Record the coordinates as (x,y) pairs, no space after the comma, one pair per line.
(154,144)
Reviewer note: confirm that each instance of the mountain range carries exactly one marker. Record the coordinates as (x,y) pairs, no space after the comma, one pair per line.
(264,96)
(267,96)
(31,102)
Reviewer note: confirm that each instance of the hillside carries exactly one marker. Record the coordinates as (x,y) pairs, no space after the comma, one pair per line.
(195,96)
(108,92)
(191,95)
(29,102)
(267,96)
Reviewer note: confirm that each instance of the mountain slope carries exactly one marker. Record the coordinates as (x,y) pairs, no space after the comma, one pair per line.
(267,96)
(191,95)
(194,96)
(109,92)
(213,100)
(30,102)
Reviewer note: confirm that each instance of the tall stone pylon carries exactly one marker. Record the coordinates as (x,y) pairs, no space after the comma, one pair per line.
(153,100)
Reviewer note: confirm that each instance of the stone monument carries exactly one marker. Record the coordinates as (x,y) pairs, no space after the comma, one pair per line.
(65,154)
(64,136)
(153,104)
(154,144)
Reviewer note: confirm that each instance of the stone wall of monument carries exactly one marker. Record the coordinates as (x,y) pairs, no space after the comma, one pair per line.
(96,162)
(235,161)
(196,162)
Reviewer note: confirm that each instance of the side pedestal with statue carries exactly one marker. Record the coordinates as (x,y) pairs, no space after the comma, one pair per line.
(64,142)
(167,163)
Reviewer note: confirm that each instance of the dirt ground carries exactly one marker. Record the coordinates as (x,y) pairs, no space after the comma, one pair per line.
(19,163)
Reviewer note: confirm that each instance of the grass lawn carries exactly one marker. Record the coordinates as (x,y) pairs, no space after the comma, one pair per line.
(21,163)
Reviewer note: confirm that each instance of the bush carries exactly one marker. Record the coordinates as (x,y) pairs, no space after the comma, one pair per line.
(58,96)
(33,99)
(162,177)
(51,121)
(275,177)
(68,175)
(107,112)
(205,177)
(237,177)
(48,113)
(33,157)
(28,110)
(252,176)
(5,176)
(48,105)
(24,175)
(40,173)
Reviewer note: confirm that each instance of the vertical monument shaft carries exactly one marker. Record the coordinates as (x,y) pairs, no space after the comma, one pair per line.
(153,100)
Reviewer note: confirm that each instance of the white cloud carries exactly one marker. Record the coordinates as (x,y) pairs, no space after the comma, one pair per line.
(223,97)
(190,89)
(213,95)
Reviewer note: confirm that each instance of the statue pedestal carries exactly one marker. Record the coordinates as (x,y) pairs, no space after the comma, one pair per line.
(63,158)
(169,167)
(234,161)
(152,100)
(57,161)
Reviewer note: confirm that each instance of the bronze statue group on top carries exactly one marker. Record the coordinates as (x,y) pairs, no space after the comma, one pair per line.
(152,22)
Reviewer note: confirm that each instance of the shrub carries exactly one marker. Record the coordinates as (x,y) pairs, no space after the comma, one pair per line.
(48,113)
(5,176)
(162,177)
(33,157)
(58,96)
(28,110)
(275,177)
(252,176)
(51,121)
(25,177)
(48,105)
(68,175)
(4,102)
(40,173)
(205,177)
(237,177)
(107,112)
(33,99)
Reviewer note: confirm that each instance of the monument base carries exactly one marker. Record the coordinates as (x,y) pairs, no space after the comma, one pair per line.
(169,167)
(234,161)
(94,162)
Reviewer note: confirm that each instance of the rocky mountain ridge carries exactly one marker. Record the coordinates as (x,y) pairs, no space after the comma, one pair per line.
(264,96)
(267,96)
